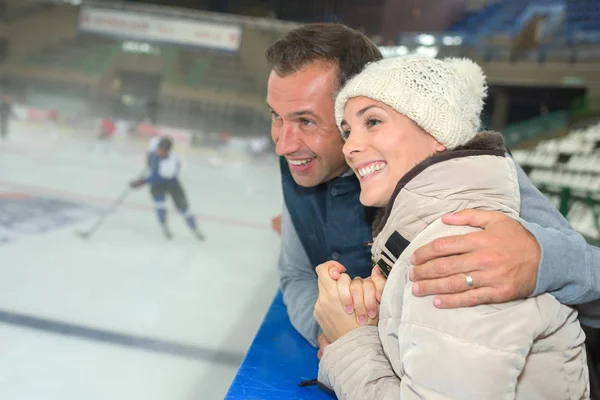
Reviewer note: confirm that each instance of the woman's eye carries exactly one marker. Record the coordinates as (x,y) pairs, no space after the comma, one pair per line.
(371,122)
(345,134)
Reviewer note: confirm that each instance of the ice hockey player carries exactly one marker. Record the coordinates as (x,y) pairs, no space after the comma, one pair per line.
(164,168)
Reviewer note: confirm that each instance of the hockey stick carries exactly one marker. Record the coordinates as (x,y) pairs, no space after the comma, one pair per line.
(100,221)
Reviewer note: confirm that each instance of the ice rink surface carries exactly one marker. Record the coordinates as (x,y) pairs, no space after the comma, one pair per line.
(127,314)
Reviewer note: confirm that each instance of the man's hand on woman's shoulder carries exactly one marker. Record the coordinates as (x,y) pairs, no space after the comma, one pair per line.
(501,262)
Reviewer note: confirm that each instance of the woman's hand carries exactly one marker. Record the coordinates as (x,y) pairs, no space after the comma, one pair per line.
(359,296)
(329,311)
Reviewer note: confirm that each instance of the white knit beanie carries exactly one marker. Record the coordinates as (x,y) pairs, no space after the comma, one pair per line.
(444,97)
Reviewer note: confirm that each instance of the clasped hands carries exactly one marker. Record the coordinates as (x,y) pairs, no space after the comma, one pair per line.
(344,303)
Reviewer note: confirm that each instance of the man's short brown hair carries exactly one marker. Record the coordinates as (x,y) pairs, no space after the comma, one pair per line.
(350,50)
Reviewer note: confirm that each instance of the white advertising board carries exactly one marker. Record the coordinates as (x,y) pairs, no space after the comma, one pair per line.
(162,29)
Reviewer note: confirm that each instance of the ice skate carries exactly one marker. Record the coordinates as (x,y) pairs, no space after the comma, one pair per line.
(199,235)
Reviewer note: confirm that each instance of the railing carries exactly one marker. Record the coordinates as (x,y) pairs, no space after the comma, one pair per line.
(536,128)
(583,107)
(568,196)
(436,44)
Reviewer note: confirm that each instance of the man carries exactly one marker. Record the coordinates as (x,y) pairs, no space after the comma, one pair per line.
(323,219)
(164,169)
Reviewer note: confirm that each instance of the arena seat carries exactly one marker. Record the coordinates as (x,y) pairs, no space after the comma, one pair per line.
(583,20)
(215,69)
(567,170)
(498,17)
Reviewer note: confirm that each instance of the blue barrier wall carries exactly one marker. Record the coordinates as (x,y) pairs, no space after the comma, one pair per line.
(277,361)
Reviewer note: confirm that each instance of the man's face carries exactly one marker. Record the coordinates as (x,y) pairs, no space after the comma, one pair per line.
(303,123)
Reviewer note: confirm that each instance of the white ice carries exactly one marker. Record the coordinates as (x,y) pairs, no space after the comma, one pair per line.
(127,278)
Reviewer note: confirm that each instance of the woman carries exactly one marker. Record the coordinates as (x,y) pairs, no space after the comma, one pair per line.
(411,129)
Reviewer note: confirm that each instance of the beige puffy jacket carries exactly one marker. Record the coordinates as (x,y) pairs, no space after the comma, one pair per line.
(530,349)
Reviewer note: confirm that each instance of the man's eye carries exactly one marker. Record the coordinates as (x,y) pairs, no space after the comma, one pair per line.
(306,122)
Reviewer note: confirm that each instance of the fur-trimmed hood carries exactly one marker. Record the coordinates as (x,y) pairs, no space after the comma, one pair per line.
(477,175)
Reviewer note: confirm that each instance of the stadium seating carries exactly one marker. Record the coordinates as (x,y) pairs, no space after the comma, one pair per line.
(212,69)
(570,32)
(192,67)
(583,20)
(87,54)
(15,12)
(535,129)
(498,17)
(568,170)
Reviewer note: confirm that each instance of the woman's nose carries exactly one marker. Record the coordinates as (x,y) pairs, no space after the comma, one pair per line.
(353,145)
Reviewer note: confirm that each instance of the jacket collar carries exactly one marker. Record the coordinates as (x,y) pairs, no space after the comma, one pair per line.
(477,175)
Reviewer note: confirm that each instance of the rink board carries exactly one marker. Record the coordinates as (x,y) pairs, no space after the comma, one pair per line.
(277,361)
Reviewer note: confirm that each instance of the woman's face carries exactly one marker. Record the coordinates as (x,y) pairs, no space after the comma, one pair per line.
(382,146)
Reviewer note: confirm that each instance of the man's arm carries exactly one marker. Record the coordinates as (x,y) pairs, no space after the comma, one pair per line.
(569,267)
(298,281)
(509,260)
